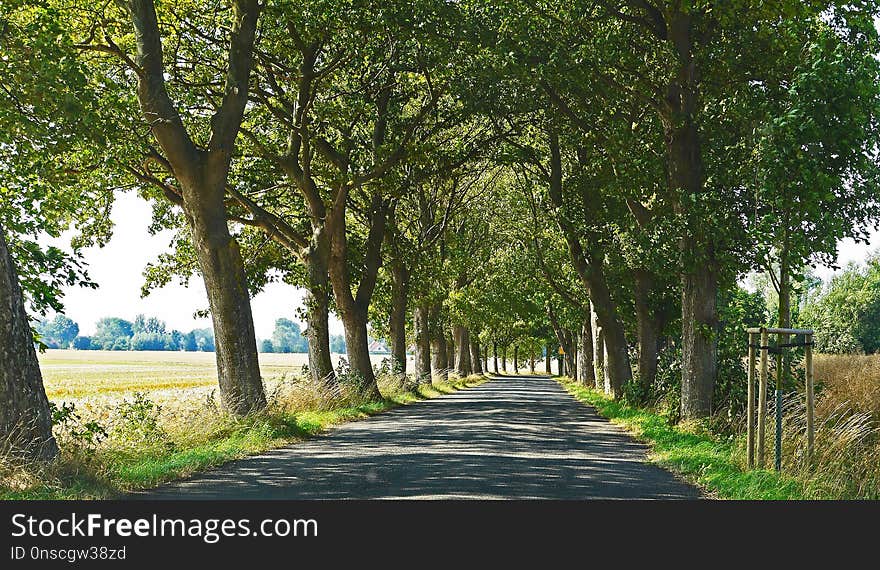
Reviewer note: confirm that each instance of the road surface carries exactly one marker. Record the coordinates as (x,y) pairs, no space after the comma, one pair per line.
(510,438)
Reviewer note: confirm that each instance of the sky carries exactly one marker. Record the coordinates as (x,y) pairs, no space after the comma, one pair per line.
(118,268)
(850,251)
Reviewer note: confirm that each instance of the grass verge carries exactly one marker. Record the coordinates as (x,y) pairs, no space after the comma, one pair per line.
(108,471)
(690,451)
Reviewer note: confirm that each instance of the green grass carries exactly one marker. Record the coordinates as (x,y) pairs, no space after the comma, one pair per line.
(114,471)
(691,452)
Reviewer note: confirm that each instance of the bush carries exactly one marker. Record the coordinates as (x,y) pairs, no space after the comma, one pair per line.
(137,421)
(120,343)
(152,341)
(82,343)
(667,385)
(737,310)
(71,431)
(831,341)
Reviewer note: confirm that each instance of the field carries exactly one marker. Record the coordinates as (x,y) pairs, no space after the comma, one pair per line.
(76,374)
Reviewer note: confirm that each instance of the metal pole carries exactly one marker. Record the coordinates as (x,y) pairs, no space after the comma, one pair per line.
(779,374)
(762,399)
(750,408)
(808,364)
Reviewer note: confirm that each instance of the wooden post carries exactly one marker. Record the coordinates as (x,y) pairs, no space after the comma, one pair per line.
(808,364)
(762,397)
(750,408)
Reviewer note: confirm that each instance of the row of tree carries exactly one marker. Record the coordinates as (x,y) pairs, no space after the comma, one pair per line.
(114,333)
(588,178)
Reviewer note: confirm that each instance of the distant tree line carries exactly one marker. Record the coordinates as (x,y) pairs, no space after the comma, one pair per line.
(289,336)
(114,333)
(150,333)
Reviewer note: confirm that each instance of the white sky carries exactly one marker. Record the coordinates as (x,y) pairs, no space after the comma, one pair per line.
(847,251)
(118,270)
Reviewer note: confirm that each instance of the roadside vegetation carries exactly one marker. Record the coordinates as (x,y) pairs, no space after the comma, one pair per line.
(112,446)
(712,452)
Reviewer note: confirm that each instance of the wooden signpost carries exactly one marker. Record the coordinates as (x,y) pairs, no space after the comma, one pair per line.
(756,444)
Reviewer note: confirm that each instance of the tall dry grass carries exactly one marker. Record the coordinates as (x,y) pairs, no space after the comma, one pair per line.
(854,379)
(846,457)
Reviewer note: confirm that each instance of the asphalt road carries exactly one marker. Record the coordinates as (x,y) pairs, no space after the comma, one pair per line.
(510,438)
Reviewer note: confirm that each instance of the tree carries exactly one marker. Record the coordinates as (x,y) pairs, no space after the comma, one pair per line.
(147,341)
(109,329)
(194,160)
(684,70)
(815,159)
(59,332)
(204,340)
(143,324)
(337,344)
(846,311)
(287,337)
(25,418)
(333,131)
(190,344)
(49,132)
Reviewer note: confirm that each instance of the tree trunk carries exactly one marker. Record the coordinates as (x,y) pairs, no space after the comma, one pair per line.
(699,274)
(570,356)
(219,257)
(605,373)
(450,351)
(516,359)
(504,358)
(423,345)
(699,327)
(476,356)
(532,359)
(462,351)
(317,302)
(440,362)
(783,359)
(440,347)
(357,348)
(586,372)
(25,419)
(397,323)
(617,361)
(353,307)
(547,360)
(648,329)
(203,175)
(598,351)
(495,356)
(589,265)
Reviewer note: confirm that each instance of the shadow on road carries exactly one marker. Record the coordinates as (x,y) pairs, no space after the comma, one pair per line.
(512,437)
